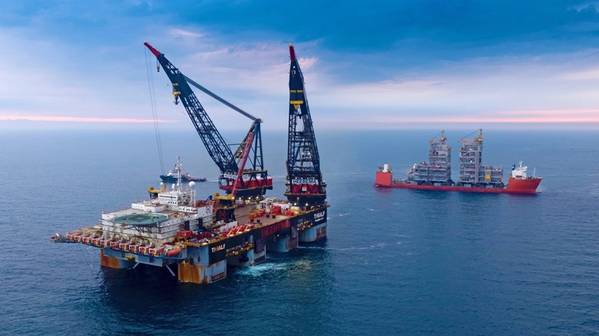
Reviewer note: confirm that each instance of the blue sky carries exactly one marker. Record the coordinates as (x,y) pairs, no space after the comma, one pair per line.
(381,64)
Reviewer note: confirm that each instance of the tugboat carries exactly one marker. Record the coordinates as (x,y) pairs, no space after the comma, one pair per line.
(177,173)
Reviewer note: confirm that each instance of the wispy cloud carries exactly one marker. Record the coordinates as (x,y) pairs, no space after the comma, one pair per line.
(561,117)
(185,33)
(529,89)
(588,5)
(49,77)
(558,113)
(255,68)
(74,119)
(584,74)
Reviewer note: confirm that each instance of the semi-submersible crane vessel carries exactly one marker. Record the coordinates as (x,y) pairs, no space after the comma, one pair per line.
(198,240)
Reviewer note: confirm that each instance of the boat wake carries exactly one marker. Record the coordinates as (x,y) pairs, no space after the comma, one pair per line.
(271,267)
(352,248)
(264,268)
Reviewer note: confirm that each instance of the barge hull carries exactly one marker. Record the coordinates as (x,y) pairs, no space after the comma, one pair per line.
(515,186)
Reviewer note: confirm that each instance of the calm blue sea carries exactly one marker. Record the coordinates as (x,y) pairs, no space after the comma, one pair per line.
(396,261)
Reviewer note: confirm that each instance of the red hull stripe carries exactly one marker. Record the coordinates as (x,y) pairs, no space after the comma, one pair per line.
(528,188)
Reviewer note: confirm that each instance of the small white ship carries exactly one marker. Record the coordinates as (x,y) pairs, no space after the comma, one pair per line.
(178,175)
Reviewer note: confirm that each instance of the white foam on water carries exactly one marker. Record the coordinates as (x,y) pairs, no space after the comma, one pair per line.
(359,248)
(594,190)
(312,248)
(263,268)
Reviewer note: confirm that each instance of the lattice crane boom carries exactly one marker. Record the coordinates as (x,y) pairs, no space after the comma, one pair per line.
(236,178)
(305,184)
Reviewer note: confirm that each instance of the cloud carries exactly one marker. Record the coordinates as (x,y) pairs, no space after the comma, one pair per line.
(45,81)
(75,119)
(589,5)
(538,117)
(253,75)
(585,74)
(556,113)
(249,67)
(536,88)
(387,94)
(185,33)
(53,77)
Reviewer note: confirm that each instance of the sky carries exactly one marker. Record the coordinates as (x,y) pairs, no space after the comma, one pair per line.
(367,65)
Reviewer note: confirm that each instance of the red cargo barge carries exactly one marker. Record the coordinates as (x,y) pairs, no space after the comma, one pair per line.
(474,175)
(518,183)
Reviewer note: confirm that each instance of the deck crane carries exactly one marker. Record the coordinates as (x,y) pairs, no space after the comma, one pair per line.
(238,178)
(305,185)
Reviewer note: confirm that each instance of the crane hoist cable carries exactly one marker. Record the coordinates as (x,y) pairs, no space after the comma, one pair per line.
(220,99)
(151,93)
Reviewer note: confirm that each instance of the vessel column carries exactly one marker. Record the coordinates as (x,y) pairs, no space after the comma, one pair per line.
(114,262)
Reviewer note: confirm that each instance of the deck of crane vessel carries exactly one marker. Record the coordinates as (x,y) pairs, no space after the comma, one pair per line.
(242,214)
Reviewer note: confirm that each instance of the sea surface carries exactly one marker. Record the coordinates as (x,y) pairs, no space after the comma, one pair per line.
(396,261)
